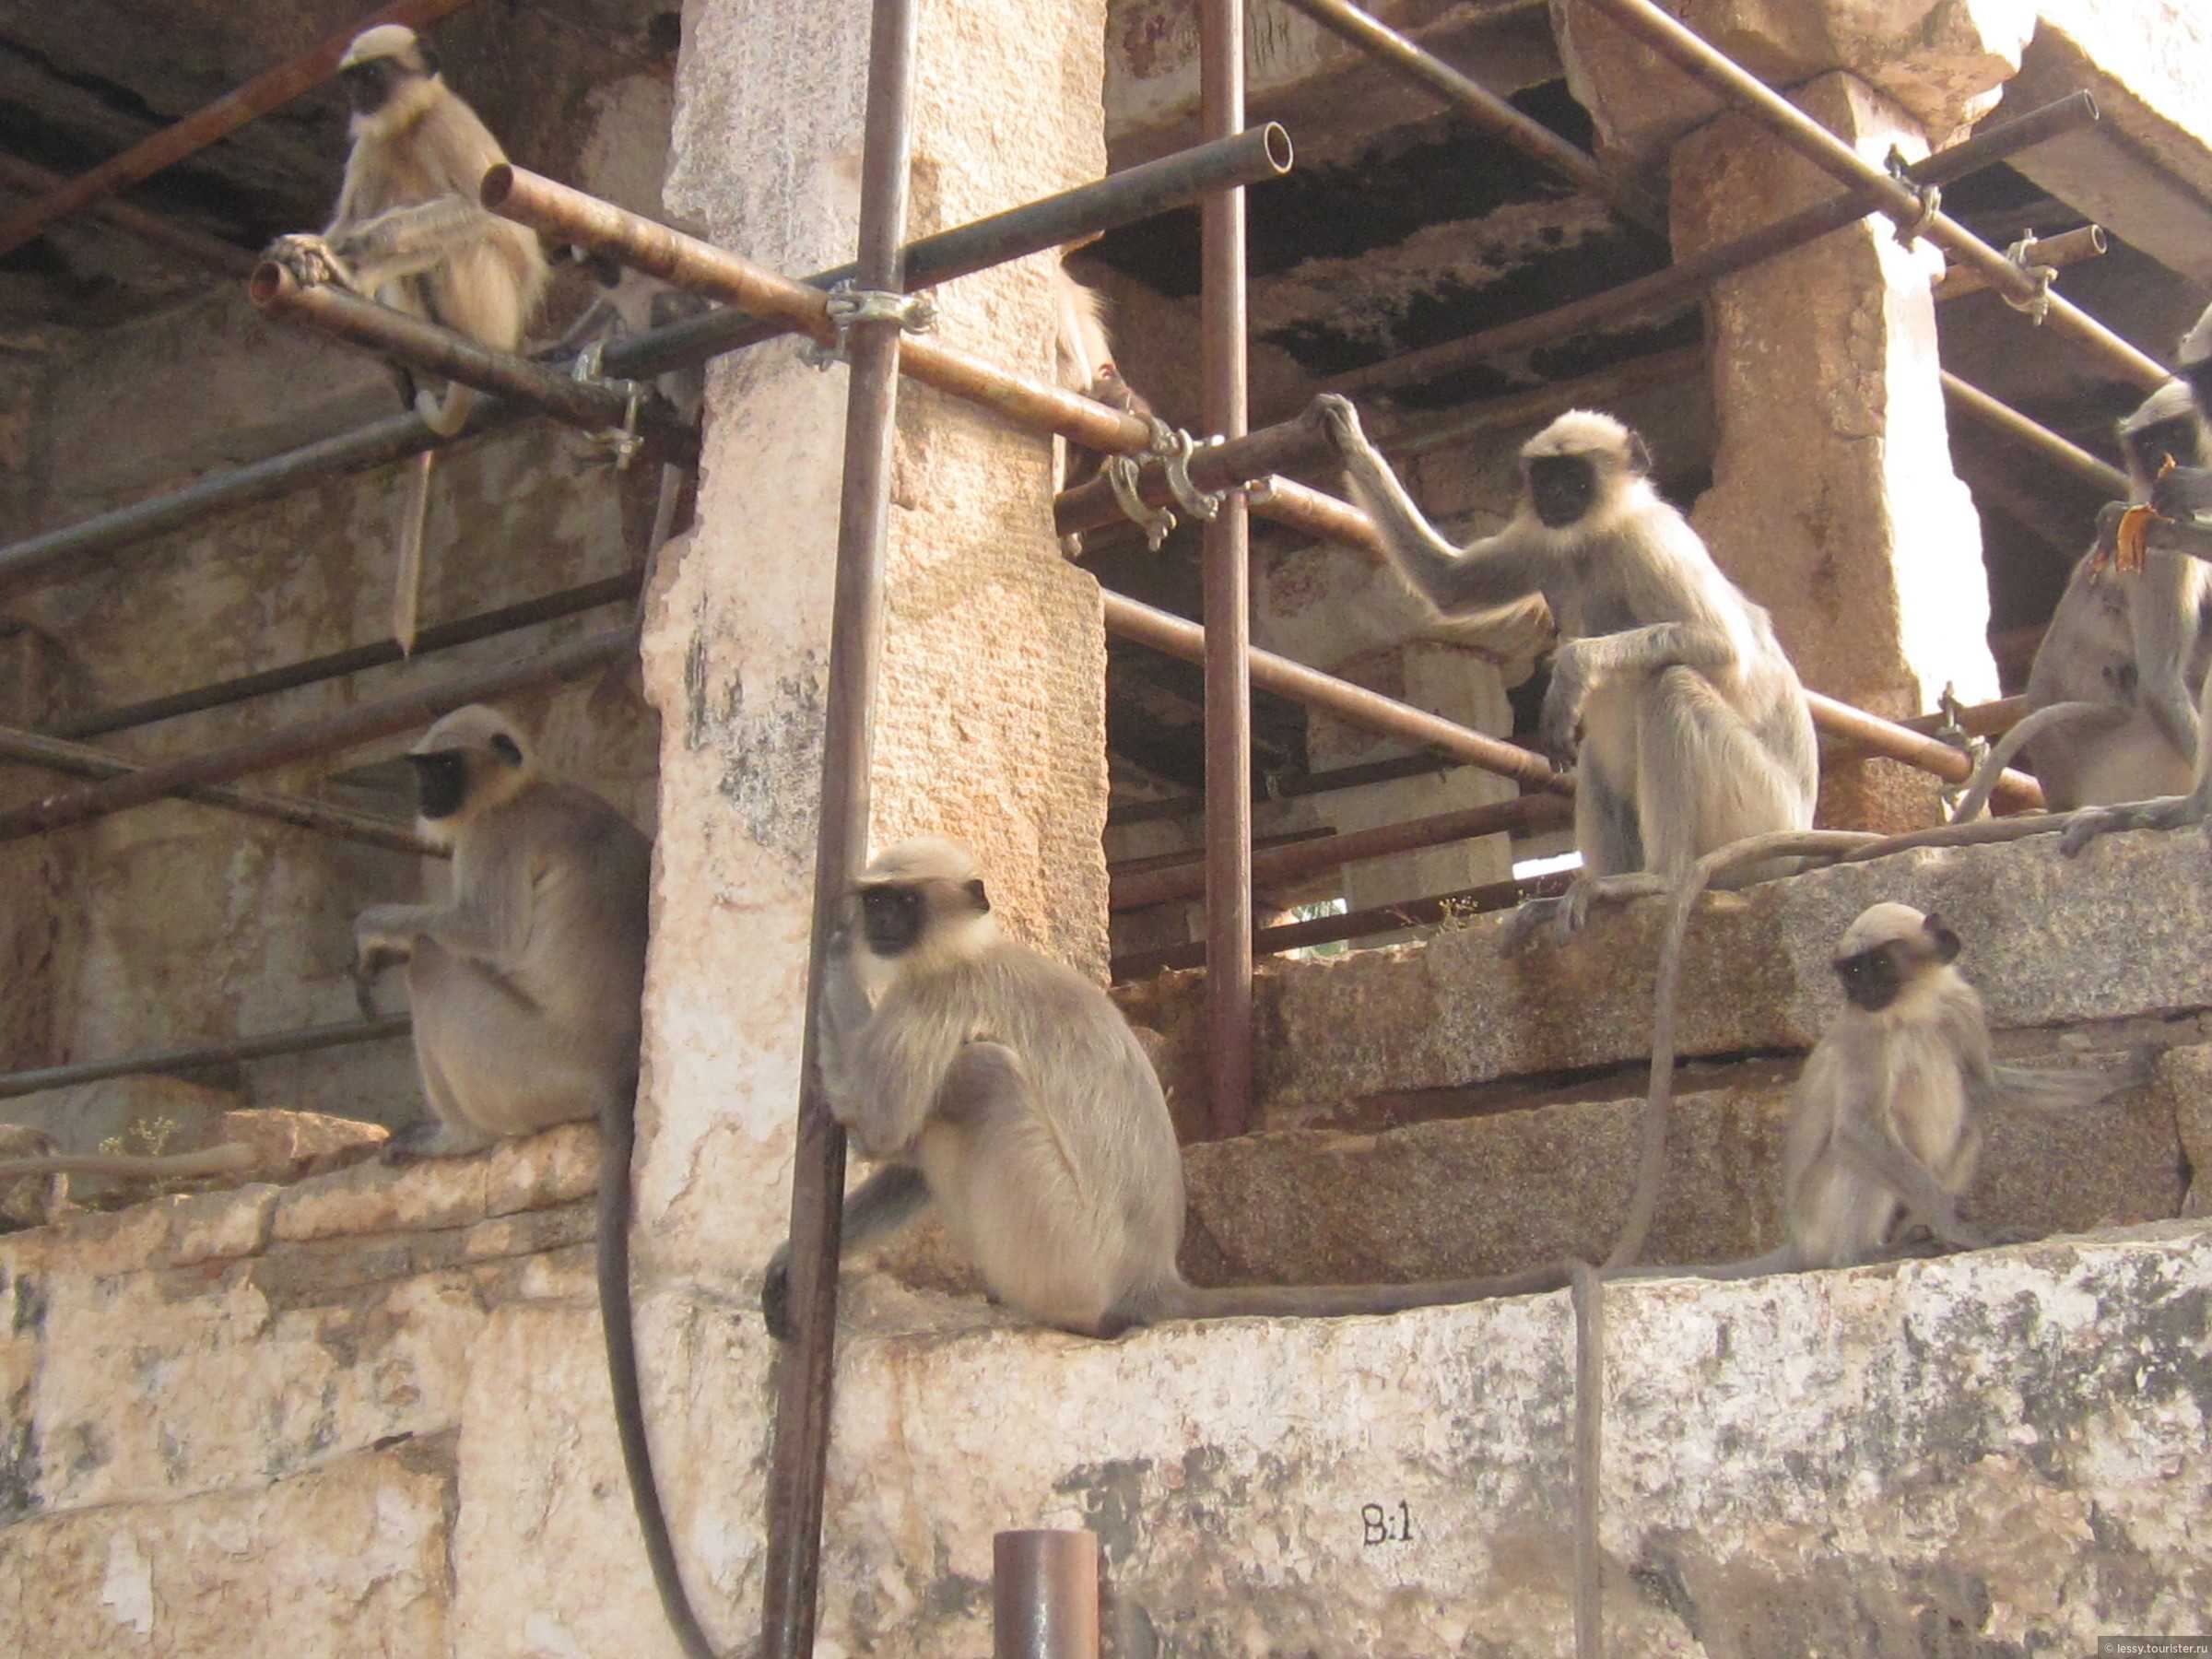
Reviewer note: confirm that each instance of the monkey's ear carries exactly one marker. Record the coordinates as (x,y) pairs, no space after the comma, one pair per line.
(430,56)
(1639,456)
(975,892)
(506,748)
(1942,937)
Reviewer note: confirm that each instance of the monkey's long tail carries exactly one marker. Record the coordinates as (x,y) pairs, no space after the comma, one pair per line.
(617,1141)
(1338,1302)
(227,1158)
(1652,1160)
(2057,717)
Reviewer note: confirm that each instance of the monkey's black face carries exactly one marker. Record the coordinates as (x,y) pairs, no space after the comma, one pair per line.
(440,782)
(892,917)
(1561,488)
(368,83)
(1873,978)
(2148,447)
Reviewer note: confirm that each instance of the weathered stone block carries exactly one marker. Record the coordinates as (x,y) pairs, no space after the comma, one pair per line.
(434,1192)
(536,1171)
(289,1145)
(29,1200)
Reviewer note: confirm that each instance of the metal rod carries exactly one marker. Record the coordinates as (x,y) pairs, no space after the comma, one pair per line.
(1359,776)
(1295,442)
(1685,278)
(193,247)
(2058,252)
(1262,153)
(1485,108)
(1370,710)
(356,659)
(301,1042)
(1225,877)
(55,754)
(1352,925)
(1044,1595)
(805,1378)
(1278,866)
(592,405)
(211,121)
(308,738)
(1192,857)
(1892,741)
(2003,418)
(1831,155)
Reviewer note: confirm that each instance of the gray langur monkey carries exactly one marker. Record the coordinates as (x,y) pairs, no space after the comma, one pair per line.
(410,232)
(2180,503)
(2112,694)
(1884,1125)
(1009,1091)
(1686,723)
(1083,362)
(525,989)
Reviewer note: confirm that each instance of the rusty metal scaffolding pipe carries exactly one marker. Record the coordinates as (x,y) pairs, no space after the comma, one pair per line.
(1720,75)
(2068,247)
(1871,735)
(1358,776)
(195,247)
(1175,636)
(1280,866)
(1264,152)
(1227,565)
(2003,418)
(357,659)
(211,121)
(591,405)
(803,1379)
(1296,441)
(1044,1595)
(1485,108)
(55,754)
(304,1041)
(305,739)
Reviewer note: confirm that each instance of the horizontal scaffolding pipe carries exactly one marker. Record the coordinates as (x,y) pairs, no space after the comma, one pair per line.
(1485,108)
(1173,636)
(55,754)
(1871,735)
(1365,773)
(357,659)
(1119,868)
(1298,441)
(1983,720)
(593,404)
(1351,924)
(1687,278)
(2068,247)
(1281,865)
(306,739)
(1121,198)
(304,1041)
(209,123)
(2003,418)
(1715,71)
(193,247)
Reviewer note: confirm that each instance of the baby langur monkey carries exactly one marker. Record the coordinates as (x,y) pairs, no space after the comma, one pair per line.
(2112,694)
(1083,362)
(525,989)
(1686,723)
(411,232)
(1008,1090)
(1884,1126)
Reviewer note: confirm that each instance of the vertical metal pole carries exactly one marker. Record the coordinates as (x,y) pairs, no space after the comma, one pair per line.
(803,1380)
(1044,1595)
(1228,597)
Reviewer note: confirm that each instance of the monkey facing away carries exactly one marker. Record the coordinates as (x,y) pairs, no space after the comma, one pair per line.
(1008,1090)
(2112,694)
(525,989)
(1686,722)
(411,232)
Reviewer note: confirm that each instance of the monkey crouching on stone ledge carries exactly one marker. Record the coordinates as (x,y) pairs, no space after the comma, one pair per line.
(526,988)
(1009,1091)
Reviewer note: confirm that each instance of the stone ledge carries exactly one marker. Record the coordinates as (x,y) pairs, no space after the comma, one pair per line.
(2114,935)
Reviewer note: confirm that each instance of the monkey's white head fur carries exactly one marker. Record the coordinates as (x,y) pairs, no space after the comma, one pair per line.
(413,88)
(1883,924)
(494,757)
(2173,401)
(1617,458)
(956,923)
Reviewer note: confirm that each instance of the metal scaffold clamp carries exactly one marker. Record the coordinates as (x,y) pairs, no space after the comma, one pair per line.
(914,314)
(1953,731)
(621,443)
(1175,447)
(2038,304)
(1931,198)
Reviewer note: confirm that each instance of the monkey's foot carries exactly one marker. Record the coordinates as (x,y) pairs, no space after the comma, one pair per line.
(775,1295)
(310,259)
(432,1138)
(1339,422)
(1562,917)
